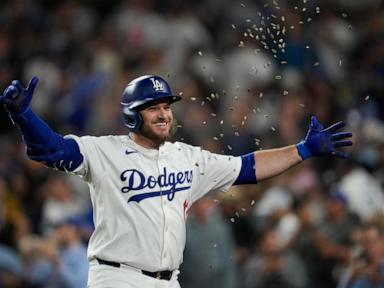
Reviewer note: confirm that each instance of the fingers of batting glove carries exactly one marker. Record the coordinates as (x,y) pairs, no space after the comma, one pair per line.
(32,84)
(335,126)
(9,98)
(16,98)
(11,92)
(340,154)
(16,83)
(341,135)
(342,143)
(315,124)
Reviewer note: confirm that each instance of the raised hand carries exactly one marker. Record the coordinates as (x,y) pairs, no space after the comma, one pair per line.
(322,142)
(16,98)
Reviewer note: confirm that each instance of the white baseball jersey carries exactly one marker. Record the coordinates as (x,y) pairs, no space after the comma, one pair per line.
(141,197)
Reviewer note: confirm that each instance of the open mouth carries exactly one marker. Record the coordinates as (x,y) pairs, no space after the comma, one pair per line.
(161,124)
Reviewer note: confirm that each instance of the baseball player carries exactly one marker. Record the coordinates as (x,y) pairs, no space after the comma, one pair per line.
(142,186)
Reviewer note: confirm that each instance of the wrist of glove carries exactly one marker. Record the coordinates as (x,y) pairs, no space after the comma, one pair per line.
(303,150)
(16,98)
(323,142)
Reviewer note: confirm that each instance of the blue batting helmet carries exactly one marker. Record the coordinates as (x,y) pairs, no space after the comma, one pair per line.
(141,91)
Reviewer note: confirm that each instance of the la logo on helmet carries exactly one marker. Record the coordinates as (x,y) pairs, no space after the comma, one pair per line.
(157,85)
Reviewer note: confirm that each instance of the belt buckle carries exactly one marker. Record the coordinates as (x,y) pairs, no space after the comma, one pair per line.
(158,275)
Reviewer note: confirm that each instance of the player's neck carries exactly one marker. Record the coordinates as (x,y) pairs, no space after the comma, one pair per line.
(144,141)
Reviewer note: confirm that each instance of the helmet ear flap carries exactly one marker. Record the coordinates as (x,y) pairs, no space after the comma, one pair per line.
(132,119)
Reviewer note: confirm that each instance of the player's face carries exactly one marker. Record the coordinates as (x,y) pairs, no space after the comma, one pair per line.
(157,123)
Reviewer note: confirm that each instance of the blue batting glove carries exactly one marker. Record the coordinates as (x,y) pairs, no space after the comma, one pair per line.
(16,99)
(322,142)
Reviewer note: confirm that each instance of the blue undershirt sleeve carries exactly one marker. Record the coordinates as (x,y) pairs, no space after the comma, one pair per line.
(247,173)
(46,146)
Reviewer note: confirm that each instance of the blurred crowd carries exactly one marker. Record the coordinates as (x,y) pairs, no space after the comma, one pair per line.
(251,73)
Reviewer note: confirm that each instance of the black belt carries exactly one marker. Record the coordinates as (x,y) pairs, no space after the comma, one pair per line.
(163,275)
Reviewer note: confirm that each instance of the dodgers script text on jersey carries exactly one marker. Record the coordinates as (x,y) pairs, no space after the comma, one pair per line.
(167,182)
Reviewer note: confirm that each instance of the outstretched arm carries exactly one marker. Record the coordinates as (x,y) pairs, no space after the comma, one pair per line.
(43,144)
(318,142)
(272,162)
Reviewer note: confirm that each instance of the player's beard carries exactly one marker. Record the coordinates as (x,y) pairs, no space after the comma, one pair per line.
(158,139)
